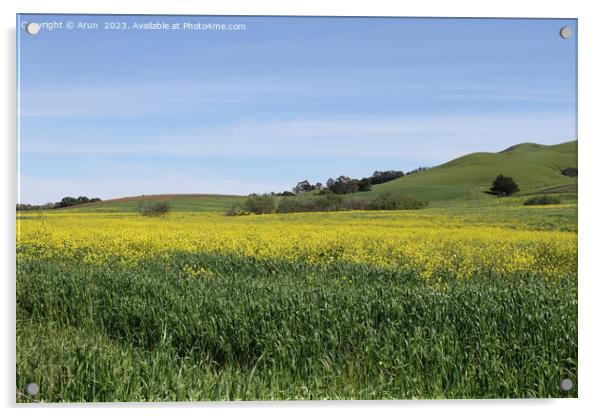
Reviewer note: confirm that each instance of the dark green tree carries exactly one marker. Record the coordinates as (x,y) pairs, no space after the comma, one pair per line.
(504,186)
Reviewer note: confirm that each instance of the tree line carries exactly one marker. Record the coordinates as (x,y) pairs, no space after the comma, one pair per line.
(346,185)
(67,201)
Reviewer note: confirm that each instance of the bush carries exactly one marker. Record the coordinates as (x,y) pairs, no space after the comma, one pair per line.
(356,204)
(504,186)
(542,200)
(333,202)
(153,209)
(287,205)
(389,201)
(235,211)
(329,202)
(260,204)
(572,172)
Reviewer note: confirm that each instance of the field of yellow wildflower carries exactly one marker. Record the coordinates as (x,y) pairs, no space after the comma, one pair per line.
(199,306)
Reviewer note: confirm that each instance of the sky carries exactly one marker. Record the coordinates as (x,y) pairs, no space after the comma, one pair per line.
(118,112)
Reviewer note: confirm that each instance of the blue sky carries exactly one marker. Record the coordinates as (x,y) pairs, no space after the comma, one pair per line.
(112,113)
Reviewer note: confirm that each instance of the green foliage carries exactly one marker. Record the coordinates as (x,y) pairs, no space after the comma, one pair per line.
(334,202)
(260,204)
(504,186)
(342,185)
(542,200)
(303,186)
(364,185)
(153,209)
(273,330)
(386,176)
(389,201)
(236,210)
(572,172)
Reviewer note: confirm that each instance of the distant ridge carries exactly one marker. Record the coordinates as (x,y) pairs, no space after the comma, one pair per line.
(523,147)
(535,167)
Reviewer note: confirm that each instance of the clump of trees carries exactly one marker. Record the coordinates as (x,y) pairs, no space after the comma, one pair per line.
(67,201)
(346,185)
(504,186)
(418,170)
(542,200)
(385,176)
(342,185)
(153,209)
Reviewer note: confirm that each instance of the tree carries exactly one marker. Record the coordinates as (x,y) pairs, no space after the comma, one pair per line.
(364,184)
(82,200)
(386,176)
(303,186)
(504,186)
(67,201)
(343,185)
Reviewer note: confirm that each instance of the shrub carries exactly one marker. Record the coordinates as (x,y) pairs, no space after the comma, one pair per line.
(330,202)
(504,186)
(153,209)
(260,204)
(542,200)
(288,204)
(572,172)
(389,201)
(235,211)
(356,204)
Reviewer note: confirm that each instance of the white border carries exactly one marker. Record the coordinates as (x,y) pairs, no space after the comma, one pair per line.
(590,292)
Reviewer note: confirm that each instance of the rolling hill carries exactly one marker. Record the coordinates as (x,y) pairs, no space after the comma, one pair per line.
(535,167)
(177,202)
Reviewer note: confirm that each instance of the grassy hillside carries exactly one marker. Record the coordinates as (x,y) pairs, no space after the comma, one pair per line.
(535,167)
(182,202)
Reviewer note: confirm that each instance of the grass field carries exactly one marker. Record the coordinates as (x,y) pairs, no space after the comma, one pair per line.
(465,299)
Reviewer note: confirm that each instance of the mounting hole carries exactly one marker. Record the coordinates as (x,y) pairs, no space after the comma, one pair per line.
(32,28)
(566,384)
(32,388)
(566,32)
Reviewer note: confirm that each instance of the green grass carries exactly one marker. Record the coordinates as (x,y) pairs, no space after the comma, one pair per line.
(177,203)
(534,167)
(263,330)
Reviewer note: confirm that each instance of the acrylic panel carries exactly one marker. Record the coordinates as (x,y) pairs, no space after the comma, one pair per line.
(295,208)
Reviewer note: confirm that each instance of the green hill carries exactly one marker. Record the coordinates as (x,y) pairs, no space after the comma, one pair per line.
(535,167)
(177,202)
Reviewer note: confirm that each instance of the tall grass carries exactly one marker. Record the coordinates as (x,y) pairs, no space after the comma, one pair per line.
(192,326)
